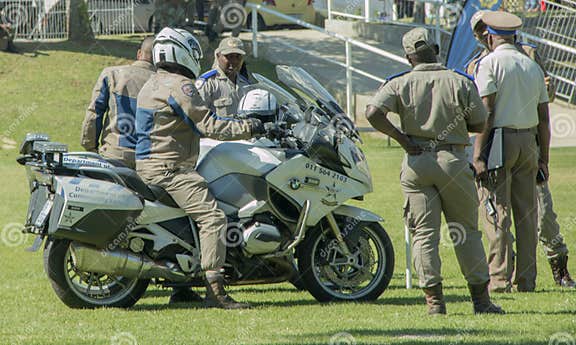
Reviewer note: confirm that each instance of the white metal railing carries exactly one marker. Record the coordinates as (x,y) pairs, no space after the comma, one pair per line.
(348,42)
(111,16)
(40,20)
(552,29)
(367,17)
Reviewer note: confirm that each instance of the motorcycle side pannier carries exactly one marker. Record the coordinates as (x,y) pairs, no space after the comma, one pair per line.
(92,211)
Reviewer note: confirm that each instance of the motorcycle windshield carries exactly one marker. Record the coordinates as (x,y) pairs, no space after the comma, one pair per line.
(283,97)
(311,91)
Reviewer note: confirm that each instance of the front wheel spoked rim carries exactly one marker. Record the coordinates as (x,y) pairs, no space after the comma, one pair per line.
(350,277)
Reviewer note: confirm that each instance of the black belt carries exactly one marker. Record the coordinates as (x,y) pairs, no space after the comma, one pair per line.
(443,147)
(517,130)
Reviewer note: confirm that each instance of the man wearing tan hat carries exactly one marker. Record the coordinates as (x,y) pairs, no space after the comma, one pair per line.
(548,227)
(437,108)
(513,90)
(223,87)
(479,29)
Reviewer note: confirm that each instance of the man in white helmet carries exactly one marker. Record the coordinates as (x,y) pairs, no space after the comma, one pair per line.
(170,120)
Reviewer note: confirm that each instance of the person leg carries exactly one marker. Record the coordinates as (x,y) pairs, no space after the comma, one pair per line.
(422,216)
(524,207)
(495,194)
(190,191)
(548,227)
(551,239)
(460,207)
(213,15)
(200,11)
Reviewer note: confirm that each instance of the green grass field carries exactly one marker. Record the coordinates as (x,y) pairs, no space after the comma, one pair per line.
(47,89)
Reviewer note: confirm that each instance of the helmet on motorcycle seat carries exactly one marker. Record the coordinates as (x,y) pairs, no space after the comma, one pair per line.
(177,49)
(260,104)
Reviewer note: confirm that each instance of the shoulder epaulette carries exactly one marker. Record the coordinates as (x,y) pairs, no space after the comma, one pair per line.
(208,74)
(463,74)
(475,56)
(528,44)
(478,63)
(394,76)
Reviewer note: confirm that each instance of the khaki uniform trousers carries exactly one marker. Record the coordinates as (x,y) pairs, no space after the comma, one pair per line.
(190,191)
(548,227)
(436,182)
(513,190)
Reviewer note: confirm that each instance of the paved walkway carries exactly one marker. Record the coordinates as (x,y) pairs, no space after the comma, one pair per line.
(333,76)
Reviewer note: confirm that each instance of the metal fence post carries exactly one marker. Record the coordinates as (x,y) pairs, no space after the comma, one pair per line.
(329,5)
(367,11)
(133,24)
(408,258)
(438,38)
(349,110)
(254,32)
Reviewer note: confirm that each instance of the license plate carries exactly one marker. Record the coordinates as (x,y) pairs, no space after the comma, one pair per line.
(39,223)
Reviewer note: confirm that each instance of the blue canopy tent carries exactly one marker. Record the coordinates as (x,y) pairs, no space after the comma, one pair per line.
(463,44)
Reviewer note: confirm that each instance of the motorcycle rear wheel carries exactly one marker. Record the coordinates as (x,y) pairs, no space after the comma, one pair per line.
(330,276)
(85,289)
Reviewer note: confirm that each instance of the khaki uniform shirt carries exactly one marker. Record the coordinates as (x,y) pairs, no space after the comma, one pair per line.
(170,120)
(109,123)
(434,103)
(530,51)
(518,83)
(221,94)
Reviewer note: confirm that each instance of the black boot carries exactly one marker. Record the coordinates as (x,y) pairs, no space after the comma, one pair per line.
(216,296)
(562,277)
(481,300)
(435,300)
(184,295)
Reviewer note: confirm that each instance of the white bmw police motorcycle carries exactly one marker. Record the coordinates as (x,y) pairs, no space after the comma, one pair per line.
(108,235)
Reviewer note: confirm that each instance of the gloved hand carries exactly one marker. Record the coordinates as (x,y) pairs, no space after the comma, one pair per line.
(256,127)
(275,130)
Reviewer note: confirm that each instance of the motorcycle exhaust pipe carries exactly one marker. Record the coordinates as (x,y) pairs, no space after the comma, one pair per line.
(123,263)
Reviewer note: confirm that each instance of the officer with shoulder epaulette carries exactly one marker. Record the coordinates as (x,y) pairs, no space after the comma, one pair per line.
(437,108)
(548,226)
(108,126)
(223,87)
(479,29)
(513,90)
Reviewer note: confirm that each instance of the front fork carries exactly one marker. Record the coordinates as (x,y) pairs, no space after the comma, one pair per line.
(338,234)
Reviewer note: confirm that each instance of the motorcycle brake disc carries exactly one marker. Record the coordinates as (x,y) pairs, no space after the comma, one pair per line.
(349,276)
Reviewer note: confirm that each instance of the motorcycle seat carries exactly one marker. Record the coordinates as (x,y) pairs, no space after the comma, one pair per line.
(148,192)
(162,195)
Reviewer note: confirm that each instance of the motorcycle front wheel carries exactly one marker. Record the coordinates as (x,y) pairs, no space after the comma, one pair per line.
(329,275)
(79,289)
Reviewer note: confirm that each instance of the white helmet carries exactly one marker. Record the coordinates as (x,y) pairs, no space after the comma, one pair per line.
(177,47)
(258,103)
